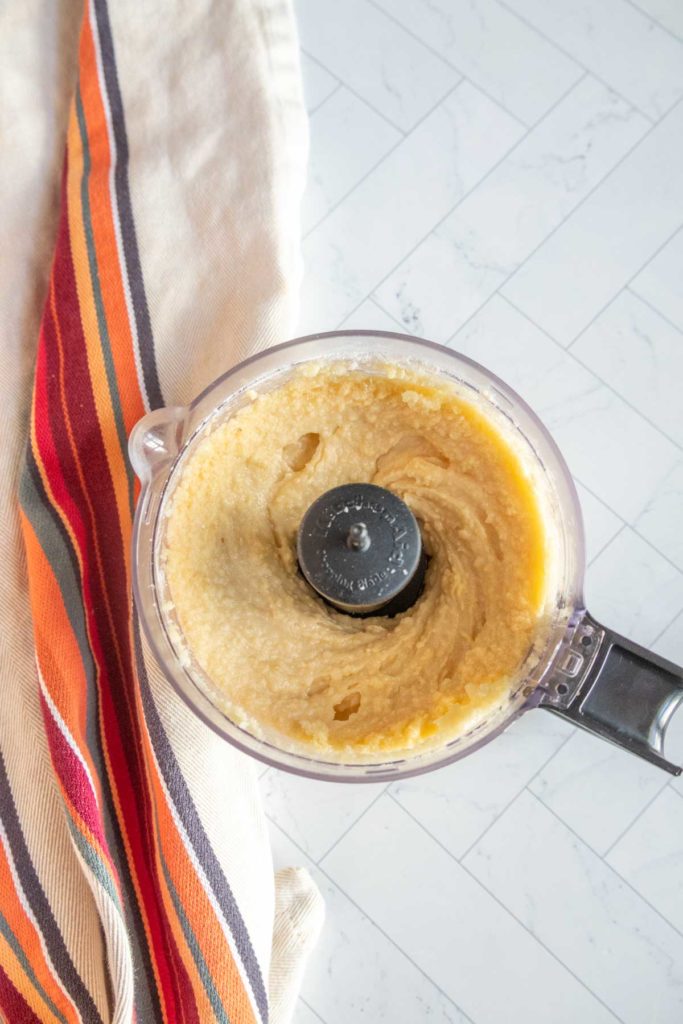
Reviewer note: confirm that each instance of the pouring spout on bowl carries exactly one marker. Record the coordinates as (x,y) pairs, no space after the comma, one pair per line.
(155,440)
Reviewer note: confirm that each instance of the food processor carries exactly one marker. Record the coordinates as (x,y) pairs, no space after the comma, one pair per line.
(578,668)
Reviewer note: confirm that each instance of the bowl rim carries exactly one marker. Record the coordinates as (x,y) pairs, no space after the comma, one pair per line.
(150,502)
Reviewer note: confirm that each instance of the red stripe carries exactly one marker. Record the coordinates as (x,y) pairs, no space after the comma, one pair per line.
(75,781)
(103,582)
(13,1005)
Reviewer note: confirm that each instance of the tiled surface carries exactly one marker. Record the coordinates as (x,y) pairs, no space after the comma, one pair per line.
(376,58)
(615,40)
(507,178)
(400,201)
(650,856)
(627,345)
(608,239)
(580,908)
(659,283)
(499,224)
(495,50)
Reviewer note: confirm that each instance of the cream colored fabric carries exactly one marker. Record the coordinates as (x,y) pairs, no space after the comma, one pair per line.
(218,142)
(218,148)
(38,49)
(299,912)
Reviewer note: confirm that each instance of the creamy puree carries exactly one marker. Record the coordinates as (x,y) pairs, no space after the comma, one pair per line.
(278,658)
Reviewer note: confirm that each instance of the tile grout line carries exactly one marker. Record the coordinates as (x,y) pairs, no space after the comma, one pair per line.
(371,295)
(508,911)
(630,526)
(668,626)
(550,42)
(500,293)
(591,370)
(633,408)
(620,517)
(373,302)
(371,299)
(669,623)
(579,63)
(452,66)
(622,159)
(388,153)
(607,544)
(341,82)
(627,287)
(314,1012)
(511,801)
(352,825)
(317,107)
(553,231)
(403,132)
(374,923)
(641,812)
(608,507)
(463,197)
(656,21)
(610,867)
(646,302)
(391,316)
(597,497)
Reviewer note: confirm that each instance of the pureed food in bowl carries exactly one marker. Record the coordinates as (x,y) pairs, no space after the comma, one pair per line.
(279,660)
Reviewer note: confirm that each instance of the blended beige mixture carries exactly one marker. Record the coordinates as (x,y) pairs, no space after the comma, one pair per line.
(278,657)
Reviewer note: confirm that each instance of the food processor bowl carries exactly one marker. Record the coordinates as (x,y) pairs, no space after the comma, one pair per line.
(577,668)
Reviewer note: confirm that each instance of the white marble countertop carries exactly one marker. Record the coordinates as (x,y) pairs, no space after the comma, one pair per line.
(507,178)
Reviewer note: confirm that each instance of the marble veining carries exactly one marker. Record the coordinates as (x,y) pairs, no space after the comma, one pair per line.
(495,228)
(506,177)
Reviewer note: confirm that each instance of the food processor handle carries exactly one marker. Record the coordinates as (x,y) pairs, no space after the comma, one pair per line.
(615,689)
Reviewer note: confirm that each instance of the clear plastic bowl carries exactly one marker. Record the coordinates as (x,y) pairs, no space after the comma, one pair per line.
(164,439)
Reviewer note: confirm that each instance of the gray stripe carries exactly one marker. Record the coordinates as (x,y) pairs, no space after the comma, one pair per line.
(125,210)
(103,329)
(184,805)
(191,939)
(28,970)
(96,864)
(40,907)
(58,549)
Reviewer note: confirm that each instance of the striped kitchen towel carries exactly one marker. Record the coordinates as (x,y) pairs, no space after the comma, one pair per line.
(135,873)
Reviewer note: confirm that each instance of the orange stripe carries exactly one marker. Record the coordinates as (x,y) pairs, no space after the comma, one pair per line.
(15,973)
(104,414)
(93,346)
(98,566)
(204,1008)
(106,245)
(200,912)
(67,683)
(28,938)
(62,665)
(58,651)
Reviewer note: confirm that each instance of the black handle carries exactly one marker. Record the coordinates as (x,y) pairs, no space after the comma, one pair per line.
(615,689)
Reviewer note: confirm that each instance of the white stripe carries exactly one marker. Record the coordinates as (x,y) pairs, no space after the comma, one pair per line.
(61,724)
(29,913)
(116,940)
(115,208)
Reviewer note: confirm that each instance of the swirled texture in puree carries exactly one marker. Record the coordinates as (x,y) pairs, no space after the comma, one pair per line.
(281,659)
